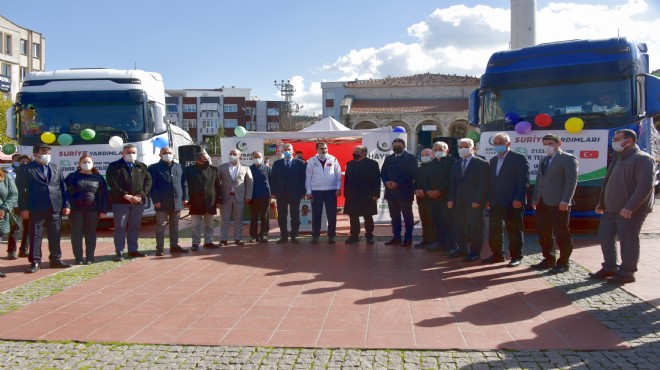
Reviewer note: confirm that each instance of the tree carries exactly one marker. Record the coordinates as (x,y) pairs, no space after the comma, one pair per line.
(5,103)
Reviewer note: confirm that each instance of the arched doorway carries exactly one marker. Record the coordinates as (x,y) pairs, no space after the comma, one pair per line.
(426,131)
(458,129)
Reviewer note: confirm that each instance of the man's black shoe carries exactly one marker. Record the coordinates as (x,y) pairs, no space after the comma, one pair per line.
(457,254)
(34,267)
(282,241)
(238,242)
(23,253)
(370,240)
(515,262)
(559,269)
(601,274)
(159,252)
(471,257)
(178,249)
(119,257)
(394,241)
(621,279)
(136,254)
(493,259)
(195,247)
(222,242)
(89,261)
(447,252)
(543,265)
(12,256)
(352,240)
(263,239)
(331,240)
(212,246)
(406,243)
(315,240)
(58,264)
(2,274)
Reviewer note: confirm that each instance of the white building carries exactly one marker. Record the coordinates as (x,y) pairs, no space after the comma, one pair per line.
(21,51)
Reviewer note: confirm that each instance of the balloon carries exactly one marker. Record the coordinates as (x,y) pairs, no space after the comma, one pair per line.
(399,129)
(511,118)
(474,136)
(88,134)
(240,131)
(65,139)
(160,142)
(543,120)
(523,127)
(116,142)
(48,137)
(574,125)
(9,149)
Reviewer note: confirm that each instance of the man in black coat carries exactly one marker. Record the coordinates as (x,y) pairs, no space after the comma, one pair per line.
(398,174)
(468,196)
(169,193)
(260,202)
(43,200)
(422,182)
(206,190)
(362,190)
(509,180)
(129,181)
(287,184)
(438,193)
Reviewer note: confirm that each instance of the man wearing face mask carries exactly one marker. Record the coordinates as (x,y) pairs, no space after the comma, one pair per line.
(129,181)
(626,198)
(323,186)
(236,182)
(169,193)
(556,181)
(362,190)
(398,175)
(43,200)
(468,194)
(509,179)
(205,197)
(260,203)
(287,183)
(423,182)
(438,191)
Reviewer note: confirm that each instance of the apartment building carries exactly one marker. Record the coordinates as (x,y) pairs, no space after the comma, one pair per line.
(21,51)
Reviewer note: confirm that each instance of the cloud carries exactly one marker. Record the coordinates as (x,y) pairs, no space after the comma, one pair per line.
(460,39)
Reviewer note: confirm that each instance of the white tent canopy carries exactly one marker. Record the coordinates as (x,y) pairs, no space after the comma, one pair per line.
(327,128)
(326,124)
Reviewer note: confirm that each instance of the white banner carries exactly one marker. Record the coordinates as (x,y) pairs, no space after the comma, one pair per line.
(589,146)
(245,145)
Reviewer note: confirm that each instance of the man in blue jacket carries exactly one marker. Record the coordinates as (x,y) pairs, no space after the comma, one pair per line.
(169,193)
(260,202)
(398,174)
(509,179)
(287,183)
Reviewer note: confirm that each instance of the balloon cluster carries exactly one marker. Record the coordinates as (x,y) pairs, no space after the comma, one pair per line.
(66,139)
(572,125)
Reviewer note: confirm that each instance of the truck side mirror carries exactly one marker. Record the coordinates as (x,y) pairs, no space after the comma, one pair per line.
(473,108)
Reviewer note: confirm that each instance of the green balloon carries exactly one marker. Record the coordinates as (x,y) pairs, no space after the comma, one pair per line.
(474,136)
(240,131)
(88,134)
(65,139)
(9,149)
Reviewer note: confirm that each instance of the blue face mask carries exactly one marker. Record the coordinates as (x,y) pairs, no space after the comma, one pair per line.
(287,154)
(500,149)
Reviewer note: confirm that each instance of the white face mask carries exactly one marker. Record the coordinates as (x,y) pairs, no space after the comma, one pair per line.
(44,158)
(16,164)
(426,159)
(465,152)
(87,166)
(168,157)
(233,158)
(130,157)
(258,161)
(618,146)
(549,149)
(439,155)
(323,157)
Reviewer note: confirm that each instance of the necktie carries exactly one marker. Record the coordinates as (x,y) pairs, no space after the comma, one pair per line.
(288,164)
(46,173)
(130,167)
(464,166)
(546,163)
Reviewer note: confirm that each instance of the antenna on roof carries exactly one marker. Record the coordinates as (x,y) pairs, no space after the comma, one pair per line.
(135,65)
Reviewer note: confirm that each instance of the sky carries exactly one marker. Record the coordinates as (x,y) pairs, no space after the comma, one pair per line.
(209,44)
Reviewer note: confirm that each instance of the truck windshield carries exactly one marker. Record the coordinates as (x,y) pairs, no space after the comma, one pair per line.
(605,101)
(71,112)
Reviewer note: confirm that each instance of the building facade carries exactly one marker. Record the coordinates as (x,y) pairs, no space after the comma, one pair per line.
(21,51)
(427,106)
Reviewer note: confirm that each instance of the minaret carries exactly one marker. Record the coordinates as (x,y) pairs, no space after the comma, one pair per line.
(523,23)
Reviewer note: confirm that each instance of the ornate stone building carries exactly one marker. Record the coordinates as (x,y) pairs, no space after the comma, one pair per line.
(427,105)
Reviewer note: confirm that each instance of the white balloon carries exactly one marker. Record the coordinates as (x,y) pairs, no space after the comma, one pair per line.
(116,142)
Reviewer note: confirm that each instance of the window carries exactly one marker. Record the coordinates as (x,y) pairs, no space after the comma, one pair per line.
(190,108)
(189,123)
(7,44)
(24,72)
(1,40)
(24,47)
(273,112)
(209,123)
(172,108)
(36,50)
(273,126)
(231,108)
(6,70)
(329,95)
(231,123)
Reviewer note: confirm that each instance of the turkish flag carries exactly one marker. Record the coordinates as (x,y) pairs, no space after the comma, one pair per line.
(589,154)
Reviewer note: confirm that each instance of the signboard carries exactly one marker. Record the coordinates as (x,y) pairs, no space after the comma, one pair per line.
(5,83)
(245,145)
(589,146)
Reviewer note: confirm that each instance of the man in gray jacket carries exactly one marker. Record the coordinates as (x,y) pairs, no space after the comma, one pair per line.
(556,181)
(625,200)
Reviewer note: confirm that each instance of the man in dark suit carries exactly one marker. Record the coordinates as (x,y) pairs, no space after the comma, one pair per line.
(509,179)
(129,181)
(362,190)
(438,193)
(43,199)
(260,202)
(556,180)
(169,193)
(398,174)
(288,188)
(204,186)
(468,195)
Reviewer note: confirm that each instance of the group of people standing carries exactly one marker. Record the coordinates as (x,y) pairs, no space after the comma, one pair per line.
(452,196)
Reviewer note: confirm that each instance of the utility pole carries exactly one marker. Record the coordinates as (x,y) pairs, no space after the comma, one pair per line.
(287,107)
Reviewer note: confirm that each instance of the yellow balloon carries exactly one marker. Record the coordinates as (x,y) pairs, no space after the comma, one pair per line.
(48,137)
(574,125)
